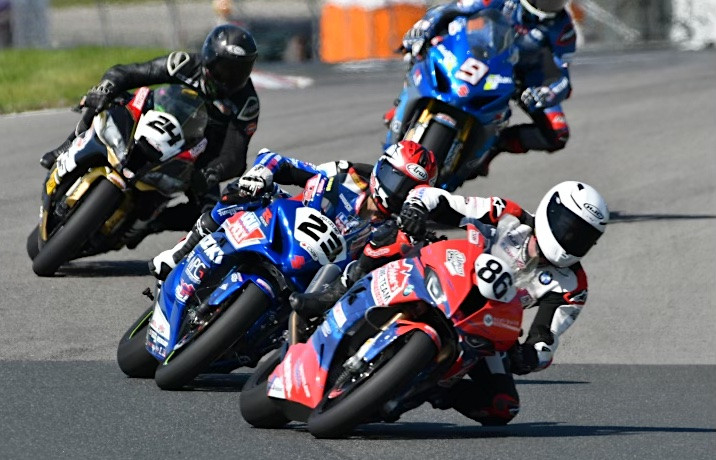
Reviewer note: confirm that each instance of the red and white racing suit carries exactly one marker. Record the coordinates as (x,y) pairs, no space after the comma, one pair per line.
(490,396)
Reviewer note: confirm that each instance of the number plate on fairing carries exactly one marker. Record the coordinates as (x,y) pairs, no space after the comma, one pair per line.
(319,236)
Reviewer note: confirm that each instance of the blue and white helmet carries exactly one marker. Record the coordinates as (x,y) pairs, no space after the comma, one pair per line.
(568,222)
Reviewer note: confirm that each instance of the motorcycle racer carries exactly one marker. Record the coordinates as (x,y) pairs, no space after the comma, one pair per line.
(546,248)
(357,196)
(220,73)
(546,40)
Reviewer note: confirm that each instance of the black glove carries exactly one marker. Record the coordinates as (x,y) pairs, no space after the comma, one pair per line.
(523,358)
(99,97)
(412,219)
(203,179)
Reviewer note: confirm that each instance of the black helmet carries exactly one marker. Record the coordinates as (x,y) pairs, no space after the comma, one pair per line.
(227,57)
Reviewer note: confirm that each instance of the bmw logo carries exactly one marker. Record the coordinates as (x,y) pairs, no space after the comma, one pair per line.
(545,278)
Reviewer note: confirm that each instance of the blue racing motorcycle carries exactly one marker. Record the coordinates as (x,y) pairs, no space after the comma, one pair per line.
(457,92)
(225,304)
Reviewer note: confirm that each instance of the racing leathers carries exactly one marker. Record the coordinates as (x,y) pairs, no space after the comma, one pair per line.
(232,122)
(341,187)
(490,396)
(541,74)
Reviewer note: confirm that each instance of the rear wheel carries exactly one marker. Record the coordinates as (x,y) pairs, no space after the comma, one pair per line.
(93,210)
(256,407)
(334,418)
(132,355)
(181,367)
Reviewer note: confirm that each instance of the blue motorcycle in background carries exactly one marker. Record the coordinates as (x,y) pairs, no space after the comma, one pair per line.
(457,92)
(225,304)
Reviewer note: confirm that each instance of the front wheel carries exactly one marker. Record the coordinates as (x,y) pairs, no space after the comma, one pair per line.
(94,209)
(180,368)
(335,418)
(33,243)
(132,355)
(256,407)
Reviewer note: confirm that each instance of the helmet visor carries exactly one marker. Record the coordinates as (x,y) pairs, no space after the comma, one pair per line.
(231,75)
(574,234)
(395,184)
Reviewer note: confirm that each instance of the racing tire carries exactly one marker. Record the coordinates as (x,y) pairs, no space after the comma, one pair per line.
(132,355)
(180,369)
(438,138)
(94,209)
(33,243)
(256,407)
(337,419)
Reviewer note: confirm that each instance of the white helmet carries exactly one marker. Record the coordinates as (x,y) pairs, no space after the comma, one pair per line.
(568,222)
(544,9)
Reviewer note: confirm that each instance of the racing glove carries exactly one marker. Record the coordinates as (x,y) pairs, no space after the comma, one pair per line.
(415,38)
(99,97)
(413,219)
(204,179)
(538,97)
(255,181)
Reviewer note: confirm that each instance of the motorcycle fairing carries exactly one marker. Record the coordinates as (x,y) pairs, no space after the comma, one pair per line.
(248,236)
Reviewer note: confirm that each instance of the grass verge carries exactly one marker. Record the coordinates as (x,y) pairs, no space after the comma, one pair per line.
(38,79)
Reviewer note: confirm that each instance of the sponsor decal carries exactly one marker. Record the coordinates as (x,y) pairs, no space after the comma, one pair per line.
(408,290)
(389,281)
(243,229)
(493,81)
(498,207)
(545,278)
(463,91)
(251,128)
(339,315)
(395,125)
(250,109)
(267,215)
(455,262)
(417,77)
(139,99)
(236,277)
(313,187)
(593,210)
(487,320)
(195,269)
(298,262)
(184,291)
(473,236)
(370,252)
(211,249)
(450,121)
(176,61)
(417,171)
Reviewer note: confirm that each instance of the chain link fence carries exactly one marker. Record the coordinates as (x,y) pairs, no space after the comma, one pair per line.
(290,29)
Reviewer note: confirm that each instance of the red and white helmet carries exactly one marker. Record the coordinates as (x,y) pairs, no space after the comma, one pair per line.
(401,168)
(568,222)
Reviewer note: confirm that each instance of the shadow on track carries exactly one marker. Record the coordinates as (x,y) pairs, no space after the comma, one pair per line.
(407,431)
(619,217)
(104,269)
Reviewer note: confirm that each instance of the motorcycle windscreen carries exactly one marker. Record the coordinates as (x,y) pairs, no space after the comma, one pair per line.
(488,34)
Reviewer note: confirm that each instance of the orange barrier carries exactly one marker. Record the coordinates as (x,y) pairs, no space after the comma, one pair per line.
(358,30)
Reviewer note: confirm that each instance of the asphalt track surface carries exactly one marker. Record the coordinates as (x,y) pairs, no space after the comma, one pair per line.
(633,378)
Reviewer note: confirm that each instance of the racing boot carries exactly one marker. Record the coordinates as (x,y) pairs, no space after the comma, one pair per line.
(314,304)
(49,158)
(161,265)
